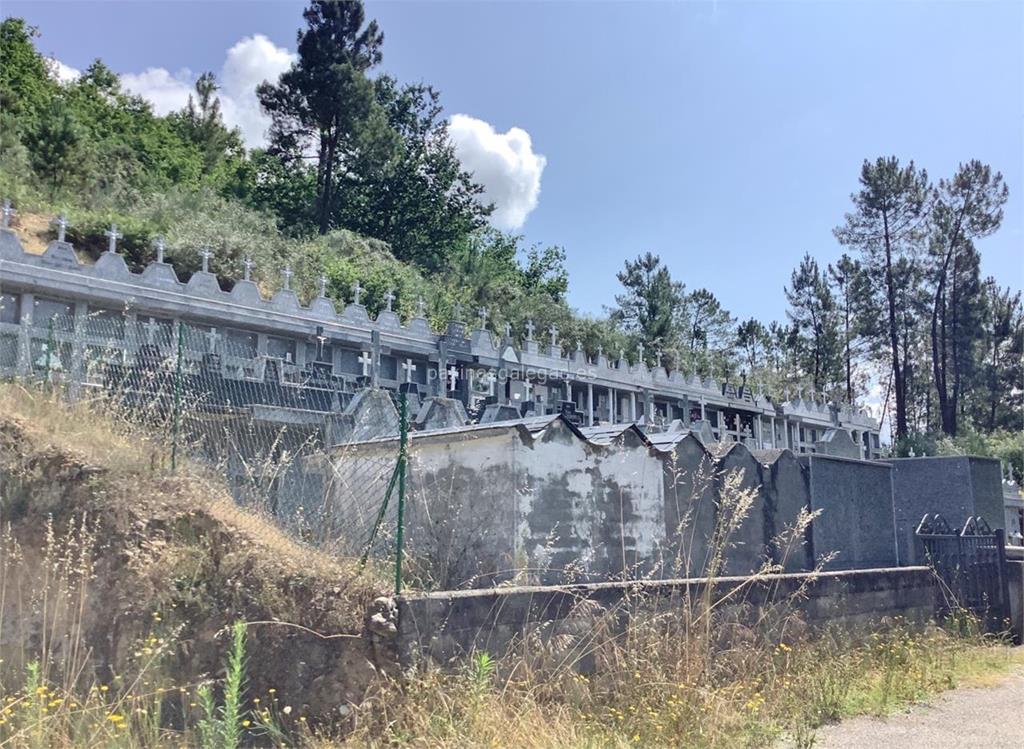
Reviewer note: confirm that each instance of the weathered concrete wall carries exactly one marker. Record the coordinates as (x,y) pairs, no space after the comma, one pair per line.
(744,530)
(787,496)
(1015,577)
(955,486)
(451,625)
(689,501)
(856,521)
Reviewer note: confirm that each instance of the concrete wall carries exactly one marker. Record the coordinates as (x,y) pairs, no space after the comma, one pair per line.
(689,507)
(787,495)
(957,487)
(856,523)
(450,625)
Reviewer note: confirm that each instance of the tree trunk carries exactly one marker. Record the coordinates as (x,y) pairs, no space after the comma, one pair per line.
(954,336)
(327,191)
(894,339)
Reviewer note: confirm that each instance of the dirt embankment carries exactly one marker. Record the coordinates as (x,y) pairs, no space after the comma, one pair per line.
(103,549)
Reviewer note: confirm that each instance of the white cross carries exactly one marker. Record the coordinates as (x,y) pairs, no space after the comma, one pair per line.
(657,353)
(206,253)
(356,291)
(152,328)
(409,368)
(453,376)
(323,285)
(5,222)
(421,307)
(287,273)
(114,235)
(483,317)
(62,223)
(579,346)
(158,243)
(248,265)
(389,297)
(211,339)
(508,330)
(600,351)
(366,360)
(554,334)
(529,330)
(640,352)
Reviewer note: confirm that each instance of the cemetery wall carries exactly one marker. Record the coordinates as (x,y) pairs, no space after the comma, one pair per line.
(856,523)
(453,624)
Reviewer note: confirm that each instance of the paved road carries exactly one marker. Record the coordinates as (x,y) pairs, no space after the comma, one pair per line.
(986,718)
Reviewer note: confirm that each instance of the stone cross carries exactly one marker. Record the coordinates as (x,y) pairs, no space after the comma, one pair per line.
(600,351)
(152,328)
(508,330)
(113,234)
(622,354)
(206,253)
(483,317)
(657,353)
(62,223)
(323,285)
(453,376)
(529,330)
(158,243)
(248,265)
(357,291)
(421,307)
(409,368)
(287,274)
(579,345)
(366,360)
(211,339)
(5,220)
(553,331)
(640,352)
(389,298)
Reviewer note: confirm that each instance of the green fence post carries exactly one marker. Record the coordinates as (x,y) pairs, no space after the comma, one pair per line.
(176,415)
(403,440)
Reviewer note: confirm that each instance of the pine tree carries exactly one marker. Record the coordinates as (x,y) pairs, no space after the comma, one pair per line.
(812,310)
(647,307)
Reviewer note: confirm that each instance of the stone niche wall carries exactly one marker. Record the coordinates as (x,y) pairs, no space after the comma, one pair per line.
(955,486)
(448,626)
(856,523)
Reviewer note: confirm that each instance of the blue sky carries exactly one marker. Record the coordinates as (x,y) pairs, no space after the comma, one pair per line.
(725,137)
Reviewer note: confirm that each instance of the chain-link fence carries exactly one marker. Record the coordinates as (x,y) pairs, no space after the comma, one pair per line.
(224,397)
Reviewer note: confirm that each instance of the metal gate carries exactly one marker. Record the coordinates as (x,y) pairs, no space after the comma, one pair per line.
(971,563)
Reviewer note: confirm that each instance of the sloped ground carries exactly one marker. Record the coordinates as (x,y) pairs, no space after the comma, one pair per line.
(104,549)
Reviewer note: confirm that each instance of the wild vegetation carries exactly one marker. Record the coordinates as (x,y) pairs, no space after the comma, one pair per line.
(358,180)
(141,608)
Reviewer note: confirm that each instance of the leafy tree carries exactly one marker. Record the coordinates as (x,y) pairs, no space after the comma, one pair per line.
(55,146)
(26,84)
(812,310)
(325,100)
(201,124)
(967,207)
(648,306)
(885,226)
(420,200)
(849,287)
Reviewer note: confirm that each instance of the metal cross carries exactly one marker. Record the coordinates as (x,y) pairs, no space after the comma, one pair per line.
(287,273)
(158,243)
(357,290)
(206,253)
(62,223)
(554,334)
(389,298)
(5,221)
(323,285)
(366,360)
(247,264)
(113,235)
(529,330)
(421,307)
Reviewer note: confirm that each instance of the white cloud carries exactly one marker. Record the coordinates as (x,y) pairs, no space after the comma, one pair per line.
(60,71)
(504,163)
(248,63)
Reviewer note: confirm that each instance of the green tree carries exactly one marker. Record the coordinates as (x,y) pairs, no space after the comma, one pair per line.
(753,343)
(707,333)
(26,84)
(325,100)
(1000,392)
(967,207)
(885,226)
(55,146)
(812,311)
(648,306)
(849,290)
(420,200)
(201,124)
